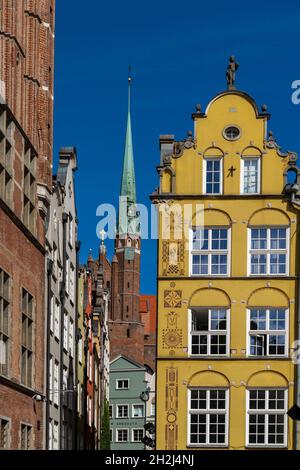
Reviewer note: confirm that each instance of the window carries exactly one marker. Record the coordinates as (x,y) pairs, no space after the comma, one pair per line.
(72,283)
(152,407)
(80,350)
(50,442)
(122,435)
(111,411)
(55,436)
(267,332)
(27,338)
(29,196)
(122,384)
(51,313)
(70,230)
(4,321)
(51,376)
(65,386)
(268,251)
(6,160)
(66,331)
(231,133)
(26,437)
(212,175)
(71,337)
(266,417)
(208,417)
(209,331)
(137,435)
(4,433)
(111,435)
(137,411)
(122,411)
(250,172)
(56,320)
(210,251)
(55,390)
(67,279)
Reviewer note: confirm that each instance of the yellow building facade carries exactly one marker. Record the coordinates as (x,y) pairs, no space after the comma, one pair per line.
(227,282)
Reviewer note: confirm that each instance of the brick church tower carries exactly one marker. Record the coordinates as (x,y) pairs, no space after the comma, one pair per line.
(126,329)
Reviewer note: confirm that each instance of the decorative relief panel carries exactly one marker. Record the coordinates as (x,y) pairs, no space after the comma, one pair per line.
(171,429)
(172,298)
(173,258)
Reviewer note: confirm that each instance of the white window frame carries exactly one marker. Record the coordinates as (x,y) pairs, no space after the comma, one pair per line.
(132,434)
(209,252)
(210,332)
(284,412)
(122,429)
(56,319)
(55,388)
(117,411)
(205,159)
(122,388)
(207,412)
(269,251)
(132,410)
(268,332)
(66,331)
(52,305)
(71,337)
(242,174)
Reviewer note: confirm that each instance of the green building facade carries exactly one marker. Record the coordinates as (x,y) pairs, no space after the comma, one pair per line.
(128,396)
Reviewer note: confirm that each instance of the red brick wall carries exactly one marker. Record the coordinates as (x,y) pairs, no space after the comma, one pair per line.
(131,346)
(25,265)
(26,72)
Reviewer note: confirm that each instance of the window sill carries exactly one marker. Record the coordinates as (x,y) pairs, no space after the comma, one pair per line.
(207,446)
(266,446)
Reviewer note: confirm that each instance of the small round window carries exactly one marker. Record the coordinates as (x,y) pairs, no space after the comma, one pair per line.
(232,133)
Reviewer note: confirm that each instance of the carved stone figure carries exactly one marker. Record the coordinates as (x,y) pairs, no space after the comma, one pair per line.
(230,73)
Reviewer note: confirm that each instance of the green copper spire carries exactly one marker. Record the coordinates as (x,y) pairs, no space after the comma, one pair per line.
(128,176)
(128,223)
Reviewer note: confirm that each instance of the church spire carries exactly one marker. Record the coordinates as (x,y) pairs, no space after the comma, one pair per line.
(127,215)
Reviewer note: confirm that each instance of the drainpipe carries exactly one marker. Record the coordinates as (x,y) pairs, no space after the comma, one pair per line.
(49,277)
(293,190)
(62,319)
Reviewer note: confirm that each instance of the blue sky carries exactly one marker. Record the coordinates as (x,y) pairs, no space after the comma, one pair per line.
(178,52)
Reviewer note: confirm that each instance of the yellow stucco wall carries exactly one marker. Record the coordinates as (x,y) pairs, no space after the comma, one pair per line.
(178,290)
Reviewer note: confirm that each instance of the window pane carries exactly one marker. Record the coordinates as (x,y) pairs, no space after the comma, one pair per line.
(200,320)
(258,239)
(257,319)
(258,264)
(219,239)
(278,239)
(218,319)
(219,264)
(251,175)
(200,264)
(277,264)
(200,239)
(277,319)
(213,175)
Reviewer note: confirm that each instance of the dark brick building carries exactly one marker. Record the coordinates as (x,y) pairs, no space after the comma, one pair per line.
(26,117)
